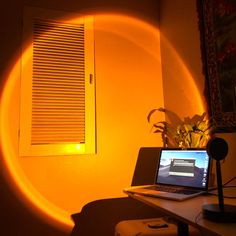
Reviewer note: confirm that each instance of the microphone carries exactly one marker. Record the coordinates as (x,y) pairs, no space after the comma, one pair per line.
(217,148)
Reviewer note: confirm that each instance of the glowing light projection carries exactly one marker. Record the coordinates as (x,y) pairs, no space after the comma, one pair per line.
(31,195)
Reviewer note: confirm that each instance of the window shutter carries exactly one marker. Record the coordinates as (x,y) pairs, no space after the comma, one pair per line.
(57,81)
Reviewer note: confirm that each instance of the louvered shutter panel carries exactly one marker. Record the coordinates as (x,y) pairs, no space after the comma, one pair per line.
(58,109)
(59,89)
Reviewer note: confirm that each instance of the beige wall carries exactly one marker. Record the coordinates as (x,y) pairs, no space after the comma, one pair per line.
(129,85)
(182,78)
(179,28)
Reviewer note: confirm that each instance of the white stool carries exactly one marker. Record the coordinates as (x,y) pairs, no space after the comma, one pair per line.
(150,227)
(145,227)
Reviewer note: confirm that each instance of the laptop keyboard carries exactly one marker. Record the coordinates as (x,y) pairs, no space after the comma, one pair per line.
(174,190)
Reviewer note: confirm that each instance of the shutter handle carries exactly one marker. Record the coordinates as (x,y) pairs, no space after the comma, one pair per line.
(91,78)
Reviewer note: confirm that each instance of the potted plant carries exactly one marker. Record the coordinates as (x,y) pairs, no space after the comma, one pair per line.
(186,133)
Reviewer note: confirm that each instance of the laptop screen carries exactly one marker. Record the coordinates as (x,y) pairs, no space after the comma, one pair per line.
(188,167)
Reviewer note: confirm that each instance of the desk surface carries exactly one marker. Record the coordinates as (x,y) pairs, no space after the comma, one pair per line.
(189,211)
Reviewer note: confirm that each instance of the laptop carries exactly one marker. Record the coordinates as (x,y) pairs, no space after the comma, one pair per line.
(181,174)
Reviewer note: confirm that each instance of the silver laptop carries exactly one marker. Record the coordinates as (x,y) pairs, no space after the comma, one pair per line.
(181,174)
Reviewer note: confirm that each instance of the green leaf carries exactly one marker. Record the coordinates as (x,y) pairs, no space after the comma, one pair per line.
(191,132)
(158,131)
(159,127)
(150,114)
(153,111)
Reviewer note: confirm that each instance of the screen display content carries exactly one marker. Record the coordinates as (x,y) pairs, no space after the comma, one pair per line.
(185,167)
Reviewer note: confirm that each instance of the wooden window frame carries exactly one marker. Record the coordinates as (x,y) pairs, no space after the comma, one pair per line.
(26,147)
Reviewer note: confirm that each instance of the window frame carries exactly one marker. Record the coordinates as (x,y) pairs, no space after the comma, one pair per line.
(26,148)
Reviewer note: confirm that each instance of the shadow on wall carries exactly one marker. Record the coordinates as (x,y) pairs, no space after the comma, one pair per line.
(41,180)
(101,216)
(16,219)
(96,218)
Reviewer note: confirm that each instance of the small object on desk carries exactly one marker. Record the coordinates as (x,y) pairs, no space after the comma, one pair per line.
(158,226)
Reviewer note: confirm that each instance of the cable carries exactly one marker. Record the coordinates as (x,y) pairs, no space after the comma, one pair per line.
(196,220)
(215,194)
(224,187)
(231,186)
(229,181)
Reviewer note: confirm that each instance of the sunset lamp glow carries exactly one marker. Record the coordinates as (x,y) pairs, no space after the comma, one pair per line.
(15,174)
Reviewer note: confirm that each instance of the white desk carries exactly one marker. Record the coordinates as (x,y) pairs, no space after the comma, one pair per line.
(188,212)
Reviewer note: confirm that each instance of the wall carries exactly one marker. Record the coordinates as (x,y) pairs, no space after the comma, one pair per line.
(179,27)
(129,85)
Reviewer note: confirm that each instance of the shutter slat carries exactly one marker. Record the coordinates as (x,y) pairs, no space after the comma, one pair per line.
(58,86)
